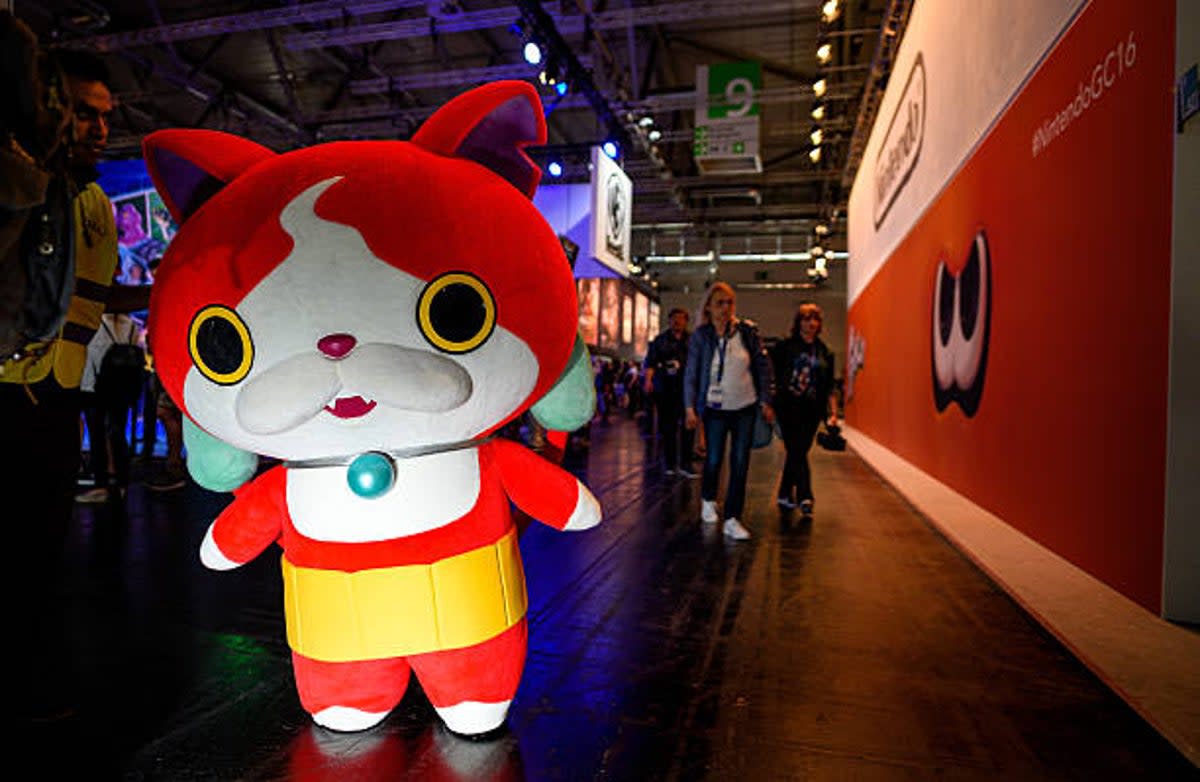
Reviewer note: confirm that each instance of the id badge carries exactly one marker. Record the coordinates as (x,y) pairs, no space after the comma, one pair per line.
(714,397)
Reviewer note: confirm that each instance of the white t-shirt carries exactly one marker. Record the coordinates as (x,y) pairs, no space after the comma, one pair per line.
(735,388)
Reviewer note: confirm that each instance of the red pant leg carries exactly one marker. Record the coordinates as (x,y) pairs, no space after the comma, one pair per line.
(488,672)
(372,685)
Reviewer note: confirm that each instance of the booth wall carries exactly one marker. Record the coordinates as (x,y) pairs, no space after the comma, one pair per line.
(1052,141)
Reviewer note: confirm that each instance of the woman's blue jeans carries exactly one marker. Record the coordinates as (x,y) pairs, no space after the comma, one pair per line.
(738,427)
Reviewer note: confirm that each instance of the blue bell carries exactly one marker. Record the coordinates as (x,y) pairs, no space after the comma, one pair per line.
(371,475)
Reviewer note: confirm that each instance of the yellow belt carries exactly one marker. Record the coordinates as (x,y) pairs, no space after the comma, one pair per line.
(459,601)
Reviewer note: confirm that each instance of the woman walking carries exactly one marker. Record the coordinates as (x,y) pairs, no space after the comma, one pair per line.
(804,397)
(727,380)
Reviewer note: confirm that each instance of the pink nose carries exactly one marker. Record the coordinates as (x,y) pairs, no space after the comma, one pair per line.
(336,345)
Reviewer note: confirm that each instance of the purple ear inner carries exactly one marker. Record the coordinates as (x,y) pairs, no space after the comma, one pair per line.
(496,142)
(187,184)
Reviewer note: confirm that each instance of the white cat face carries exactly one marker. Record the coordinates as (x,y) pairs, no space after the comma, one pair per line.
(305,366)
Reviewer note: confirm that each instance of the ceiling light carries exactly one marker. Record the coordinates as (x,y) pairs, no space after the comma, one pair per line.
(824,53)
(815,154)
(533,53)
(830,10)
(819,87)
(817,136)
(655,134)
(818,112)
(646,122)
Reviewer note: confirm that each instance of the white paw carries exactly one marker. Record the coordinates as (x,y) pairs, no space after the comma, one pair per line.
(471,718)
(347,719)
(587,511)
(211,555)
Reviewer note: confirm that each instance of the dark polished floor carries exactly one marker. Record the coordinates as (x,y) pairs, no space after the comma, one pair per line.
(860,646)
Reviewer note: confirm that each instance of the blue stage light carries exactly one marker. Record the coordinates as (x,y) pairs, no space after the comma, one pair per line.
(561,88)
(555,168)
(611,149)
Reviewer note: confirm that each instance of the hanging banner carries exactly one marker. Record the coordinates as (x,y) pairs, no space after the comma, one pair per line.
(612,213)
(726,135)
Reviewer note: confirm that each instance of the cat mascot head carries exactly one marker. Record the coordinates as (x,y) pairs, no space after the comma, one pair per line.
(371,313)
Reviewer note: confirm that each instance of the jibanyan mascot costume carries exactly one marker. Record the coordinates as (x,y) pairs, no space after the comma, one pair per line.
(370,314)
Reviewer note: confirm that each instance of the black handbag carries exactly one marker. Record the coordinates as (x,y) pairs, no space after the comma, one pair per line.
(831,439)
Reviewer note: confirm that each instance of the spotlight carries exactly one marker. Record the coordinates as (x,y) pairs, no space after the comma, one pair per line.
(818,112)
(555,168)
(815,154)
(646,122)
(821,229)
(824,53)
(654,135)
(611,149)
(816,251)
(561,88)
(830,11)
(819,87)
(533,53)
(817,136)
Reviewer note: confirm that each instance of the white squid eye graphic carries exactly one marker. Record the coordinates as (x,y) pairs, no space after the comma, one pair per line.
(961,328)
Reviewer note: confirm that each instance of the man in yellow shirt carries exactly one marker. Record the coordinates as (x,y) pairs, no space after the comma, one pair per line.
(39,391)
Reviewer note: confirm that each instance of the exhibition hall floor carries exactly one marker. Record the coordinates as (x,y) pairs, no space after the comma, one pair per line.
(855,645)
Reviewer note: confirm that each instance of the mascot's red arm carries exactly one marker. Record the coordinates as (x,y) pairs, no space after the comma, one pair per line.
(253,521)
(542,489)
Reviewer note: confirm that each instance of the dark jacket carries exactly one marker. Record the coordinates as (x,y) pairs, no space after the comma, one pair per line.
(804,376)
(702,346)
(667,356)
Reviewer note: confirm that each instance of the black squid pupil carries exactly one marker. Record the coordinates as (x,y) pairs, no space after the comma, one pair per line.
(219,346)
(457,313)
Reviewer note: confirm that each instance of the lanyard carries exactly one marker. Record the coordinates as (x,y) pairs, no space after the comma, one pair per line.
(723,341)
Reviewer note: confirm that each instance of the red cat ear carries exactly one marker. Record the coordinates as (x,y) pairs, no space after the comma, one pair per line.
(491,125)
(189,166)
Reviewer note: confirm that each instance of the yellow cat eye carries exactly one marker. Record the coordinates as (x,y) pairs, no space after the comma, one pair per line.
(219,344)
(456,312)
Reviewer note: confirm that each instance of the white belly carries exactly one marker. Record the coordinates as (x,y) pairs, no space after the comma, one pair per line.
(430,492)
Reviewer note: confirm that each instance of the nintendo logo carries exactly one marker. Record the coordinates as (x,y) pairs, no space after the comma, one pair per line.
(902,143)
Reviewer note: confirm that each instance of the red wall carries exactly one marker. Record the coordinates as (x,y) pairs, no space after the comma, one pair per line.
(1068,443)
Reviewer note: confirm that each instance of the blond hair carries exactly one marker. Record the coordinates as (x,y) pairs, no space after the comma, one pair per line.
(702,316)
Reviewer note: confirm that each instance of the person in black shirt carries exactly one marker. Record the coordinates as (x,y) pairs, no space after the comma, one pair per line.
(664,365)
(804,396)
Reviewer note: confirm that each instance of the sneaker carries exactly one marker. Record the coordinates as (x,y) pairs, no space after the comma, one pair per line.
(735,531)
(96,496)
(166,481)
(806,507)
(686,472)
(708,511)
(785,502)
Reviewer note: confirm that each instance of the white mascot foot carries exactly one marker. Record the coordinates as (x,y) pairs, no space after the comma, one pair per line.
(347,719)
(470,718)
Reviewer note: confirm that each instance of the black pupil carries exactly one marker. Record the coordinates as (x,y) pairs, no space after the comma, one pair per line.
(968,292)
(219,346)
(946,313)
(457,312)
